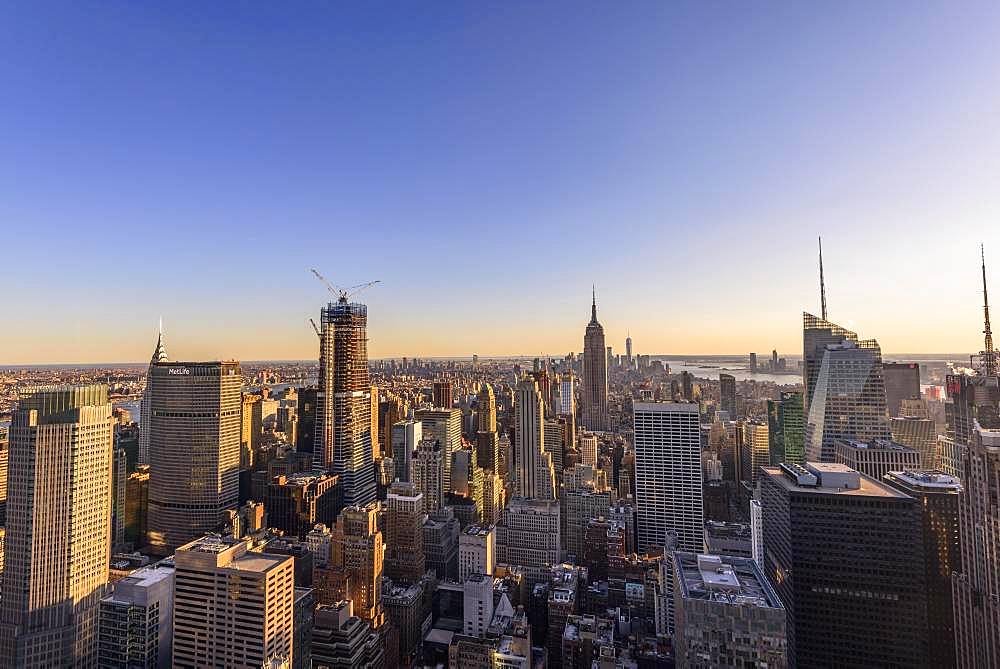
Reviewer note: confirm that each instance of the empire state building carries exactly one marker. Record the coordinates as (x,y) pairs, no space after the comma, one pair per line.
(595,375)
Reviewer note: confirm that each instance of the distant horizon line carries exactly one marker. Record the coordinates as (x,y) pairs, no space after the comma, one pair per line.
(660,356)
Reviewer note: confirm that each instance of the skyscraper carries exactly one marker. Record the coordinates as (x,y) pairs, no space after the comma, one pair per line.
(534,475)
(817,334)
(137,620)
(628,348)
(668,478)
(977,588)
(441,394)
(444,426)
(845,553)
(937,498)
(427,473)
(727,394)
(358,552)
(754,452)
(406,434)
(404,533)
(159,355)
(232,607)
(848,392)
(57,543)
(528,536)
(902,382)
(194,449)
(343,411)
(876,458)
(594,396)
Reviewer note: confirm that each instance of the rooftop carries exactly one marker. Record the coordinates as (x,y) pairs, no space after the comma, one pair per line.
(927,479)
(826,478)
(725,579)
(874,444)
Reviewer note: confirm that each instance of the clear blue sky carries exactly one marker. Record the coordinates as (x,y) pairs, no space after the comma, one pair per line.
(488,161)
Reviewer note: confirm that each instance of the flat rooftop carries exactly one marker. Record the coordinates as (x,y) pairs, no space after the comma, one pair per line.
(724,578)
(874,445)
(932,479)
(868,487)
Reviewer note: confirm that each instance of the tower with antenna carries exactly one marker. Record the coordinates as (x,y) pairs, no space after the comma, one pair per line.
(822,286)
(987,358)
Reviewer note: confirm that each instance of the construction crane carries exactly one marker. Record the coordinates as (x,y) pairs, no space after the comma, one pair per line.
(342,293)
(315,327)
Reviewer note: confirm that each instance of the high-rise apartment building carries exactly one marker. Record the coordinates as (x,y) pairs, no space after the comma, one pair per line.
(727,395)
(726,613)
(902,382)
(404,533)
(57,543)
(427,473)
(845,554)
(534,475)
(668,478)
(594,389)
(137,620)
(232,607)
(444,426)
(876,458)
(976,589)
(937,498)
(848,397)
(194,449)
(343,404)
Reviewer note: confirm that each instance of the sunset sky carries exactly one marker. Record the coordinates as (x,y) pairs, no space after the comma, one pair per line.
(489,162)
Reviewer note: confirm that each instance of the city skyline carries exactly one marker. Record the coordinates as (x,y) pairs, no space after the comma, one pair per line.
(700,146)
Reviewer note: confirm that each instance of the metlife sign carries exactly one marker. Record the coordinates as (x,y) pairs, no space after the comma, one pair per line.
(179,371)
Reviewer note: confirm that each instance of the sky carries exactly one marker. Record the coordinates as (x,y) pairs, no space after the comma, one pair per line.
(490,162)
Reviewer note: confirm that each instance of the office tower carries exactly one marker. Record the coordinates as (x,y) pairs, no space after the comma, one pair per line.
(297,502)
(406,434)
(687,385)
(441,530)
(137,621)
(594,389)
(877,457)
(251,428)
(445,426)
(404,533)
(302,625)
(408,609)
(194,449)
(602,540)
(628,348)
(845,553)
(817,334)
(358,552)
(534,475)
(566,406)
(441,394)
(848,394)
(774,360)
(232,607)
(579,506)
(976,589)
(4,464)
(305,427)
(588,449)
(486,409)
(919,434)
(791,430)
(318,541)
(727,393)
(937,497)
(726,613)
(427,473)
(119,476)
(528,536)
(159,355)
(477,604)
(753,363)
(902,382)
(476,551)
(343,404)
(755,452)
(757,532)
(493,498)
(563,601)
(137,505)
(341,640)
(374,431)
(668,479)
(554,441)
(57,544)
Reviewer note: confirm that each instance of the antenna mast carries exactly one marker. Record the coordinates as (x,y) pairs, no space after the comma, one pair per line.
(989,357)
(822,286)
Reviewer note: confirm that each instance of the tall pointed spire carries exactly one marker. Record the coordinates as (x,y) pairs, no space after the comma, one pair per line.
(989,356)
(593,304)
(822,285)
(160,352)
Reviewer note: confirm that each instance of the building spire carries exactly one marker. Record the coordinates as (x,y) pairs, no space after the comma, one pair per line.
(989,356)
(160,352)
(822,285)
(593,304)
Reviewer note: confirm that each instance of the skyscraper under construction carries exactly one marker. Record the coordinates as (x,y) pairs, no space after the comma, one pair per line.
(343,404)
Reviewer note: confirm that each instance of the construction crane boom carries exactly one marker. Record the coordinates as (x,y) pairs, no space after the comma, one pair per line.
(315,327)
(342,293)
